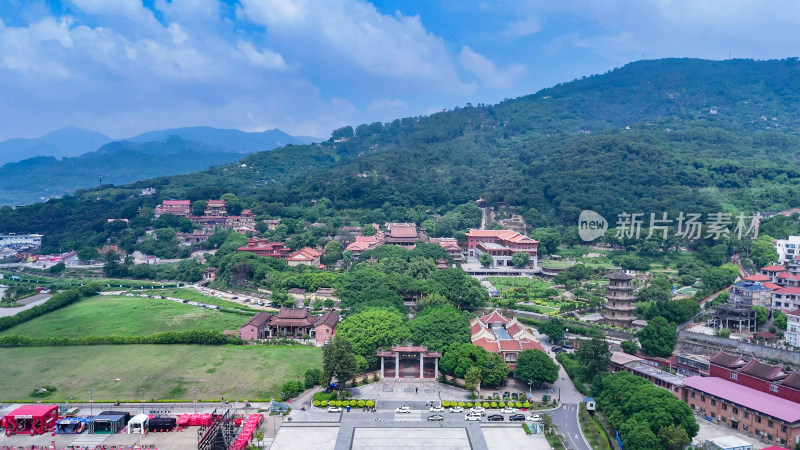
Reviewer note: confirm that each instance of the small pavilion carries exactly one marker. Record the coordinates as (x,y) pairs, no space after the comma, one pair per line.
(409,362)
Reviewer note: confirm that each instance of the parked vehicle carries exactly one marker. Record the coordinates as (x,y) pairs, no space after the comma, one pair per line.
(517,418)
(560,350)
(556,348)
(456,409)
(534,418)
(478,409)
(334,409)
(506,395)
(403,410)
(473,417)
(496,418)
(508,410)
(435,418)
(437,408)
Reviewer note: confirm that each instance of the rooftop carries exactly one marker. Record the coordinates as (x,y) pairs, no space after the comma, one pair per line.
(774,268)
(655,372)
(747,397)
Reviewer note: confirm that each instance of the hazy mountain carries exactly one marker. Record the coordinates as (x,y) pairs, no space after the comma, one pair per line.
(67,141)
(231,140)
(120,162)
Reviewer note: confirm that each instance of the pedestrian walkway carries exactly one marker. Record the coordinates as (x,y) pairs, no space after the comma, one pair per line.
(90,440)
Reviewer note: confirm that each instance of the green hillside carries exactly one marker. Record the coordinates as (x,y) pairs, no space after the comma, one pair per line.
(666,135)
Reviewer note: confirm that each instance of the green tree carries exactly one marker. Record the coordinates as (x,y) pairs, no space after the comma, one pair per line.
(312,377)
(638,436)
(629,347)
(437,328)
(549,240)
(553,328)
(717,278)
(333,252)
(434,300)
(779,320)
(658,338)
(761,315)
(520,259)
(594,358)
(496,370)
(673,437)
(199,207)
(372,330)
(485,259)
(652,294)
(338,360)
(763,252)
(369,230)
(472,378)
(535,367)
(88,254)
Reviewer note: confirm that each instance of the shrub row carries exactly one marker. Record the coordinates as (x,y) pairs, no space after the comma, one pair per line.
(166,337)
(57,301)
(345,403)
(499,404)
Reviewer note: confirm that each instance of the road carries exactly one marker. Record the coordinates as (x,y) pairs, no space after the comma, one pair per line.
(33,300)
(566,417)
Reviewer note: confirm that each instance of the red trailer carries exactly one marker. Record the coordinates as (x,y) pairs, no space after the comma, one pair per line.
(31,419)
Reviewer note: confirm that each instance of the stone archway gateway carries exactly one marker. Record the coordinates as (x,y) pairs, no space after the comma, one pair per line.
(409,362)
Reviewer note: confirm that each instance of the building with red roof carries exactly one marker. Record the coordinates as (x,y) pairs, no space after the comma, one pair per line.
(291,323)
(759,277)
(181,208)
(773,271)
(305,256)
(501,245)
(773,380)
(743,408)
(451,246)
(498,334)
(402,234)
(362,244)
(786,298)
(262,247)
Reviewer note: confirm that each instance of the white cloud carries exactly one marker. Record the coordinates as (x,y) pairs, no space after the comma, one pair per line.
(486,71)
(354,32)
(264,58)
(523,27)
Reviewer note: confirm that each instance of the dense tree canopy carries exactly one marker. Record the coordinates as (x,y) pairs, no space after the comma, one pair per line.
(535,367)
(437,328)
(658,338)
(373,330)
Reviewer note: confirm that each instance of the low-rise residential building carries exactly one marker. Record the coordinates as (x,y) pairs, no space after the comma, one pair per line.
(772,272)
(787,249)
(498,334)
(210,273)
(792,336)
(786,298)
(743,408)
(751,293)
(691,365)
(195,237)
(262,247)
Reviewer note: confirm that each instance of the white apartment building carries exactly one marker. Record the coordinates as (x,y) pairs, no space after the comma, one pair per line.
(793,328)
(787,249)
(13,240)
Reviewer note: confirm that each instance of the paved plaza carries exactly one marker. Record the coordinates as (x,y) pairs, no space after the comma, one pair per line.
(411,438)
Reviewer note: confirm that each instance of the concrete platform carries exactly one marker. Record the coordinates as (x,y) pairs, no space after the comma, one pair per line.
(411,438)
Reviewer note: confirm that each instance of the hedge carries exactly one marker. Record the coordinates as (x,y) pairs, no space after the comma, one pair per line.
(344,403)
(205,337)
(446,403)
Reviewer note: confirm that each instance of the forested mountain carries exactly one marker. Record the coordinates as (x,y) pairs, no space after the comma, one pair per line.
(666,135)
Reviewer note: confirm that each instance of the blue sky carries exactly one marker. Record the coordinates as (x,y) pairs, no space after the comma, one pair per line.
(123,67)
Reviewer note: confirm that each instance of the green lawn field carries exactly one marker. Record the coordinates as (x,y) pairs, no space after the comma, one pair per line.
(165,371)
(125,316)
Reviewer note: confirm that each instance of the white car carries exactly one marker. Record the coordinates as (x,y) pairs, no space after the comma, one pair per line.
(478,409)
(403,410)
(508,410)
(473,417)
(437,408)
(456,409)
(334,409)
(535,418)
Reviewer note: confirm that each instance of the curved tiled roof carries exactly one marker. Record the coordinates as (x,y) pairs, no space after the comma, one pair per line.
(620,275)
(727,360)
(763,371)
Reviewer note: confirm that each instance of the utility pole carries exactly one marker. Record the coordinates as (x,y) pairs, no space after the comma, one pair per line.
(142,391)
(194,389)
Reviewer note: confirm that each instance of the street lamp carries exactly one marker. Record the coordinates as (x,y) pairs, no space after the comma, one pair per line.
(194,389)
(142,391)
(91,400)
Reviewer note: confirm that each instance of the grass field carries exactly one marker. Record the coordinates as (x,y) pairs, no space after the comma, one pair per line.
(165,371)
(191,294)
(129,316)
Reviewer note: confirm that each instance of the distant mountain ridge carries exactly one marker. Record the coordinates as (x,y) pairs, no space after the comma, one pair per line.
(73,141)
(232,140)
(64,142)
